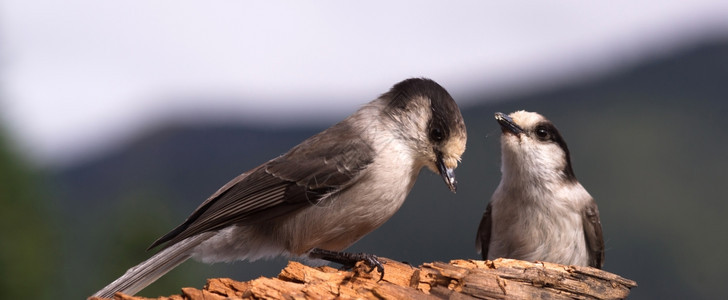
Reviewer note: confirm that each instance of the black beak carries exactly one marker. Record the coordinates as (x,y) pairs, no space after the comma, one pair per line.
(447,174)
(507,124)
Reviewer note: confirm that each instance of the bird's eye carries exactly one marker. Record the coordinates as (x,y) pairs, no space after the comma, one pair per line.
(436,134)
(542,133)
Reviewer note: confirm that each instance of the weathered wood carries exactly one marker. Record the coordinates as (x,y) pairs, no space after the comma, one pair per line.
(459,279)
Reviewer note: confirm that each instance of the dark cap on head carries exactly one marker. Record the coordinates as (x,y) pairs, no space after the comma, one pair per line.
(446,117)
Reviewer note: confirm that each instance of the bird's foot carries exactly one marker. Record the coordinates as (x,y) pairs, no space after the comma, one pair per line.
(350,259)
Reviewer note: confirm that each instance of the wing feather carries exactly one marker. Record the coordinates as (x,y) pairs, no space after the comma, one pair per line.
(319,166)
(482,240)
(593,235)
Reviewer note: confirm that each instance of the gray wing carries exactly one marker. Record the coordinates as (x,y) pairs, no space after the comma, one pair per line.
(482,239)
(593,235)
(321,165)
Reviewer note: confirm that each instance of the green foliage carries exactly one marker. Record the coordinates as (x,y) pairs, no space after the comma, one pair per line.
(28,245)
(139,218)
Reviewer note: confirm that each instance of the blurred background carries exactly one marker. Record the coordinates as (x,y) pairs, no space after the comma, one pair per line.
(118,118)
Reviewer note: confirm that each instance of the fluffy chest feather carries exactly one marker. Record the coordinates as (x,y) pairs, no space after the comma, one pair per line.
(538,224)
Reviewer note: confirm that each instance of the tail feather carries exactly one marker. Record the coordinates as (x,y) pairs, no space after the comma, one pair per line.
(143,274)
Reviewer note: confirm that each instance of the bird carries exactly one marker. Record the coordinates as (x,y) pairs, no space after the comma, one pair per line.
(325,193)
(539,211)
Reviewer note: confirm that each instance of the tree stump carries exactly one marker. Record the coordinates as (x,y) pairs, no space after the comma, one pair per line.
(459,279)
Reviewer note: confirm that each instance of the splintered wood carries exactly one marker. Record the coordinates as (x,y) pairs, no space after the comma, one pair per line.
(459,279)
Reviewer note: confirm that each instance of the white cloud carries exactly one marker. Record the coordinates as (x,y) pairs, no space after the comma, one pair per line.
(81,73)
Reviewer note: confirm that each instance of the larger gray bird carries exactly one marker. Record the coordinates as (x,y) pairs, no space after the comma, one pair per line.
(325,193)
(539,210)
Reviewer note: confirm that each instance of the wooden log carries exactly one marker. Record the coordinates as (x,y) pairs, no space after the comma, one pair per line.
(459,279)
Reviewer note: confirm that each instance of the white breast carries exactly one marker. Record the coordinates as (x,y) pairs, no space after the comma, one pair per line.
(539,225)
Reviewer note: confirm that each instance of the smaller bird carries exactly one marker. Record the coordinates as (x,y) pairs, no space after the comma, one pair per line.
(539,210)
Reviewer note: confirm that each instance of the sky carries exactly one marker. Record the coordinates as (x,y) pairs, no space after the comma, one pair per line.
(79,77)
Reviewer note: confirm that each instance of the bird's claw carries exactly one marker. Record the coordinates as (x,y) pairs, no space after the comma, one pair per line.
(349,260)
(373,262)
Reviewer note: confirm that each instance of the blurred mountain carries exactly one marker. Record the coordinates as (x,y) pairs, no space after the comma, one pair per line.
(647,141)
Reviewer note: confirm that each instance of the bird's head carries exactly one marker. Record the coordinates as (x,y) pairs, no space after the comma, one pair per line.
(531,145)
(431,122)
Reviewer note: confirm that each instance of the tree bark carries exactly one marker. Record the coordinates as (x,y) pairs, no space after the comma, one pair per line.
(459,279)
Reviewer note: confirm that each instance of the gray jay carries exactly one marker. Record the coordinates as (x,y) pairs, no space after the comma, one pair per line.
(539,210)
(325,193)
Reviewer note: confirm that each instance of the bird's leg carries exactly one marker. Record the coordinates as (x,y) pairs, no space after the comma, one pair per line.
(349,259)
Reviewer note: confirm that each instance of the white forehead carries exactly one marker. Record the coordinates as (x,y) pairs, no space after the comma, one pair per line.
(526,119)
